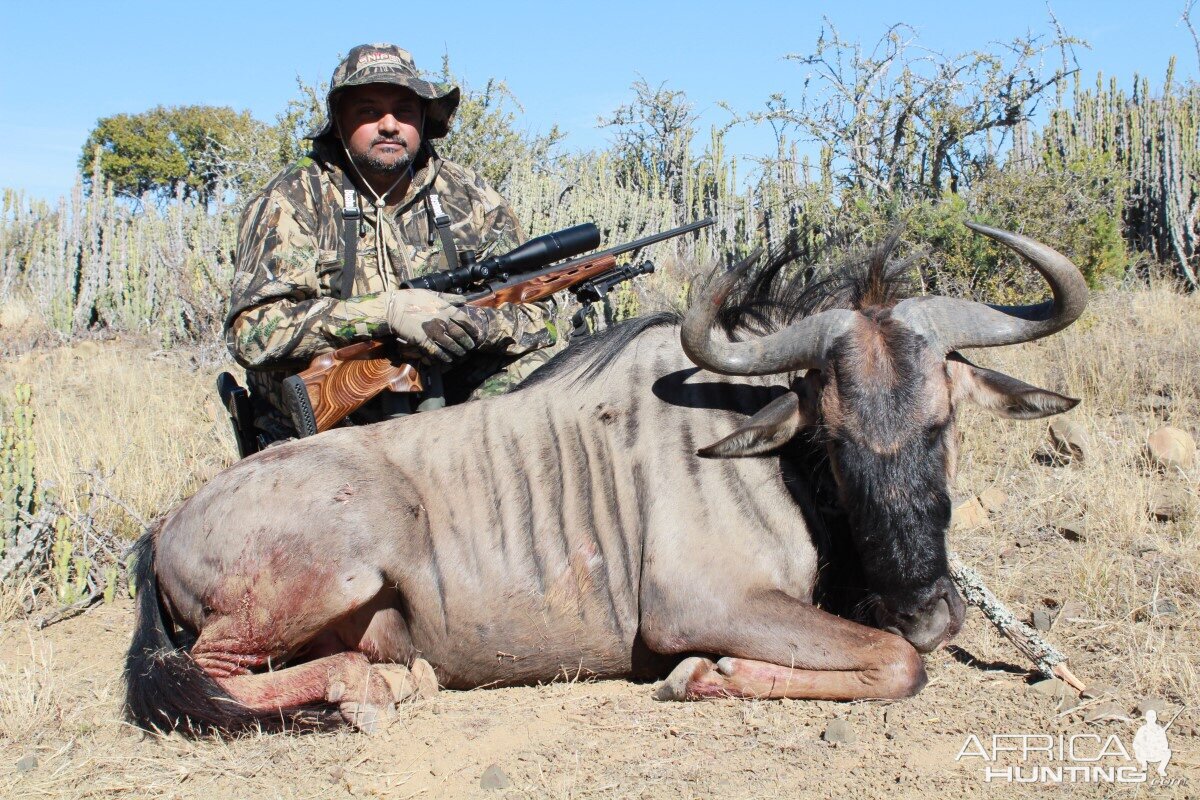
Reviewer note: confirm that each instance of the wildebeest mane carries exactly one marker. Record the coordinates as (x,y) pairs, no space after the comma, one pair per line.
(597,350)
(771,296)
(782,291)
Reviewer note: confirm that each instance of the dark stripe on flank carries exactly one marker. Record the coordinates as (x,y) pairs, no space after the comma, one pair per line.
(523,497)
(613,506)
(633,413)
(688,450)
(742,498)
(435,568)
(562,460)
(594,527)
(488,465)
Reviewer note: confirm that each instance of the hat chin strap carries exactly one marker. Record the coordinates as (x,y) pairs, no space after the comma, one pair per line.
(380,201)
(379,198)
(385,264)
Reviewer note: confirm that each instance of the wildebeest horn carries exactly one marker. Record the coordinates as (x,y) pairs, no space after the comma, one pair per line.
(952,324)
(799,346)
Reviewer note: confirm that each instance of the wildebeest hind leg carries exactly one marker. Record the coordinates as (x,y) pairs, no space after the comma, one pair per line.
(783,647)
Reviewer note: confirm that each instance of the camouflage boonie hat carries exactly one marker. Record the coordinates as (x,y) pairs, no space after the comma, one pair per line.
(386,63)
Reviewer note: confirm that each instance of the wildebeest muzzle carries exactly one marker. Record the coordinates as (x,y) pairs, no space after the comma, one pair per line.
(932,617)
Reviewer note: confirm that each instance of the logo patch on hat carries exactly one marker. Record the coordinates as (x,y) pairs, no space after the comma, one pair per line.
(376,57)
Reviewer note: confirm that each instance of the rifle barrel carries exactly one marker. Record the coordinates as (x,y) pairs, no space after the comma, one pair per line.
(521,277)
(646,241)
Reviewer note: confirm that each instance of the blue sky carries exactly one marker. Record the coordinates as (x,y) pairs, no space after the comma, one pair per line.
(66,64)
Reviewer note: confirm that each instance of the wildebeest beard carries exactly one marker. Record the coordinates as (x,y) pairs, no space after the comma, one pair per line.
(896,502)
(898,511)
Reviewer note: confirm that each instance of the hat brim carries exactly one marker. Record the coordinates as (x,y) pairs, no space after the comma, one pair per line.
(439,105)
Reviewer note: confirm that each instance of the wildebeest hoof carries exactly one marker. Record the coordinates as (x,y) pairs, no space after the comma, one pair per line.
(368,718)
(399,680)
(675,687)
(424,678)
(418,682)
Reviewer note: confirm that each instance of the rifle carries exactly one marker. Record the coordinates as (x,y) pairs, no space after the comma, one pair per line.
(339,382)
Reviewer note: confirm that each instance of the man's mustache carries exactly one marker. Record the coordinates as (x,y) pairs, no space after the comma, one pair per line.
(385,140)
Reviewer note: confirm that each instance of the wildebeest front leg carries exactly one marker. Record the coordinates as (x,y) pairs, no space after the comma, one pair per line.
(245,667)
(364,693)
(783,647)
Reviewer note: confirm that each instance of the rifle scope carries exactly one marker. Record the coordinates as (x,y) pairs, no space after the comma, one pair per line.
(538,252)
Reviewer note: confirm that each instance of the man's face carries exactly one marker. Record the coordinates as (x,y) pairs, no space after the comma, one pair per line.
(380,125)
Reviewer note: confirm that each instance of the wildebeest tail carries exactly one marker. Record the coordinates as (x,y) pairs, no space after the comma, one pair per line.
(166,690)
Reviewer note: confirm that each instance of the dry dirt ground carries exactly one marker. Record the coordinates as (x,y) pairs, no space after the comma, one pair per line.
(1072,539)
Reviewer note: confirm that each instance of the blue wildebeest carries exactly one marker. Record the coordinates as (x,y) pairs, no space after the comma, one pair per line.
(638,504)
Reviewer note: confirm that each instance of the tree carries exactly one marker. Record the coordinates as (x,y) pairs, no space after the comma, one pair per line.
(901,120)
(187,150)
(303,113)
(653,138)
(485,135)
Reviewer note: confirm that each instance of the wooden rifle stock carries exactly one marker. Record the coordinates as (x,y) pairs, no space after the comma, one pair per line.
(340,382)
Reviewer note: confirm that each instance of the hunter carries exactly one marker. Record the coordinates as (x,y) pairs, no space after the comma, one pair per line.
(322,249)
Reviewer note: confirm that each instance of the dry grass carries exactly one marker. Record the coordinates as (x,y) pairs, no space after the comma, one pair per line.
(1127,349)
(149,417)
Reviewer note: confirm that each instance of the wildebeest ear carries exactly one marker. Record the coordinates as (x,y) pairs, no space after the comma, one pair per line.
(1001,394)
(769,429)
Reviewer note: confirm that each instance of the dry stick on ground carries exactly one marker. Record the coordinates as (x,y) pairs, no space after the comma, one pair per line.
(67,612)
(101,547)
(1048,660)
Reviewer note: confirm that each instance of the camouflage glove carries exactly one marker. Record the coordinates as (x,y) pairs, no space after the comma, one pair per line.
(489,326)
(432,323)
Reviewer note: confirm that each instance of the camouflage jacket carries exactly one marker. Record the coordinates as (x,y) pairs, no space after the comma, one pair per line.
(290,252)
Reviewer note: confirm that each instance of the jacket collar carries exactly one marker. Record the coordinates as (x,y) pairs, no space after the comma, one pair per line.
(334,162)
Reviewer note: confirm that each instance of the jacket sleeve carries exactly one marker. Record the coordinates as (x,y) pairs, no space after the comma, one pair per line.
(515,329)
(277,318)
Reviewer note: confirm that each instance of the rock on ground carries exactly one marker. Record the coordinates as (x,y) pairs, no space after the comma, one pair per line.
(494,778)
(1171,448)
(1070,439)
(839,731)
